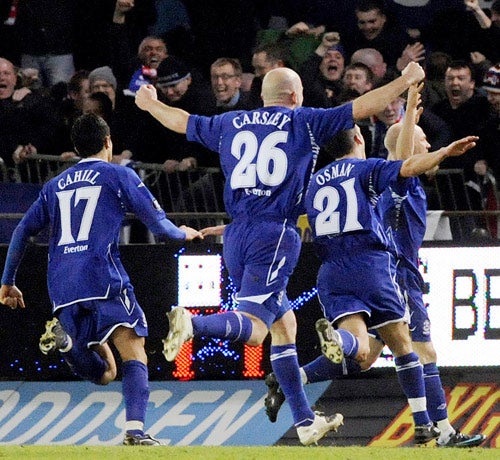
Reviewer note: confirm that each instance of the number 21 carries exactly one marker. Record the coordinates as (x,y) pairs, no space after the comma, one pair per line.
(328,220)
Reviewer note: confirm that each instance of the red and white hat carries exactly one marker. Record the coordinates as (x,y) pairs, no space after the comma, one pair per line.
(491,80)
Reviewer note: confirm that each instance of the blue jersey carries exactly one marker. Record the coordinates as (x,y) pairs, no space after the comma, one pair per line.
(84,208)
(403,209)
(267,155)
(341,202)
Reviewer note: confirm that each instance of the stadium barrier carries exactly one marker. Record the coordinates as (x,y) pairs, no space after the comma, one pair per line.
(189,197)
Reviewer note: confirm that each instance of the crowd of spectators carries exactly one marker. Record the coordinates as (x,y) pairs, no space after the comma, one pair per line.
(61,59)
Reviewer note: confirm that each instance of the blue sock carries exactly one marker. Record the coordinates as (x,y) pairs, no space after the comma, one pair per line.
(436,398)
(322,369)
(411,378)
(350,343)
(286,368)
(135,387)
(230,325)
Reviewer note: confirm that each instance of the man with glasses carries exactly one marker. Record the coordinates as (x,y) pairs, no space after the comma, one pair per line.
(226,78)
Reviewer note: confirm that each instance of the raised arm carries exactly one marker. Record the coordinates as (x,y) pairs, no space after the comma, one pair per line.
(376,100)
(170,117)
(419,164)
(405,144)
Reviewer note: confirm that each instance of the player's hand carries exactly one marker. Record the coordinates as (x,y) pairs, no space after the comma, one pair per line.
(461,146)
(145,95)
(11,297)
(213,231)
(191,233)
(413,72)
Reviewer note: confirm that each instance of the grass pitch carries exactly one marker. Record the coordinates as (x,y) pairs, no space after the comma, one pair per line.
(245,453)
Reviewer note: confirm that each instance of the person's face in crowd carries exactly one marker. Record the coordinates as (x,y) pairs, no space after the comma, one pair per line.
(152,52)
(357,79)
(262,64)
(175,93)
(332,65)
(225,83)
(495,18)
(420,141)
(494,100)
(459,85)
(375,61)
(93,106)
(371,23)
(392,112)
(79,97)
(7,79)
(104,87)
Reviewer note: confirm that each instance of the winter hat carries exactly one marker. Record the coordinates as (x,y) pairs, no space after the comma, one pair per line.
(491,80)
(102,73)
(171,71)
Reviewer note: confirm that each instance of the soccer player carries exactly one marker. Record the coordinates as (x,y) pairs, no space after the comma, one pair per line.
(267,156)
(89,288)
(356,281)
(402,208)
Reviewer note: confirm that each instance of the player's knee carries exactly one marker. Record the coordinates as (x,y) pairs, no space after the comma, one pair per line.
(259,333)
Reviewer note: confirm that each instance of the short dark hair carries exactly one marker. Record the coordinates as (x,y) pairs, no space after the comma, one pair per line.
(460,64)
(88,134)
(363,6)
(75,82)
(340,144)
(370,77)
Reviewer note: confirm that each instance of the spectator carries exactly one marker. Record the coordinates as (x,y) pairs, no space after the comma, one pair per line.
(358,77)
(28,120)
(374,60)
(265,58)
(489,35)
(435,69)
(176,85)
(71,107)
(174,26)
(464,110)
(121,122)
(377,31)
(489,135)
(322,73)
(225,75)
(152,51)
(300,40)
(46,38)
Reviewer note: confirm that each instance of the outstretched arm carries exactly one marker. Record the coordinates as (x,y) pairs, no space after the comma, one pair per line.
(170,117)
(418,164)
(405,144)
(377,99)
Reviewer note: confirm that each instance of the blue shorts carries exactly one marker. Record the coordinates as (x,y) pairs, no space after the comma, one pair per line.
(260,257)
(412,284)
(92,322)
(363,283)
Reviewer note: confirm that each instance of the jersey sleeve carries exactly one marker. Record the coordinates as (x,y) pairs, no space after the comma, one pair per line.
(34,221)
(139,200)
(205,130)
(385,173)
(328,122)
